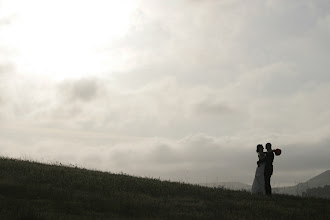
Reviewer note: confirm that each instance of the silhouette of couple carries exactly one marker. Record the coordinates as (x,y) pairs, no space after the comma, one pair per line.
(264,171)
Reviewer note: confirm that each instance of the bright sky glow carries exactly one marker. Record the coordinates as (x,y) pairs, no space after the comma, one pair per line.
(65,39)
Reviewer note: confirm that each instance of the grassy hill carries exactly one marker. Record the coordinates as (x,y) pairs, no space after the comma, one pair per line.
(31,190)
(229,185)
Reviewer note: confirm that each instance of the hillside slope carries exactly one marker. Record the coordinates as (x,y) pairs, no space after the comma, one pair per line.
(30,190)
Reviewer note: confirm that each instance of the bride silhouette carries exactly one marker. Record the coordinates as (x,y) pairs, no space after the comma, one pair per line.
(258,185)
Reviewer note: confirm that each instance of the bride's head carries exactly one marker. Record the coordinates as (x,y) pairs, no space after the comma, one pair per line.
(260,148)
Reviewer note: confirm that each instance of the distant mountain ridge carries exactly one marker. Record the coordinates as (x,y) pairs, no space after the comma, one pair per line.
(320,180)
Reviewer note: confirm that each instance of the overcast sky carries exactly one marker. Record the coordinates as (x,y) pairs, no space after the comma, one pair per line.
(177,89)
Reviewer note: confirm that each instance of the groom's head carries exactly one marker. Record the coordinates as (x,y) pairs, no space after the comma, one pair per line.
(269,146)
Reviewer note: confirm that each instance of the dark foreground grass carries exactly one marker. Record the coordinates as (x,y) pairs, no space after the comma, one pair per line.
(31,190)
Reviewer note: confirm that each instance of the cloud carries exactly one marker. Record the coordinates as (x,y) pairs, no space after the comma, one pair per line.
(186,94)
(212,107)
(82,90)
(5,69)
(5,74)
(5,21)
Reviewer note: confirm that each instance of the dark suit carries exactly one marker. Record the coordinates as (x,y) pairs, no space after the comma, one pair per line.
(268,159)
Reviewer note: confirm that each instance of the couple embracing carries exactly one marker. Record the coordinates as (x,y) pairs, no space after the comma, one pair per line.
(264,171)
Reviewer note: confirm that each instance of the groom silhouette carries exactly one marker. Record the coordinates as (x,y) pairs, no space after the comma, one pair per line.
(268,159)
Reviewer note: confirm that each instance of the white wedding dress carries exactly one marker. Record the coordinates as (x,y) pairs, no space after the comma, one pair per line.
(258,185)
